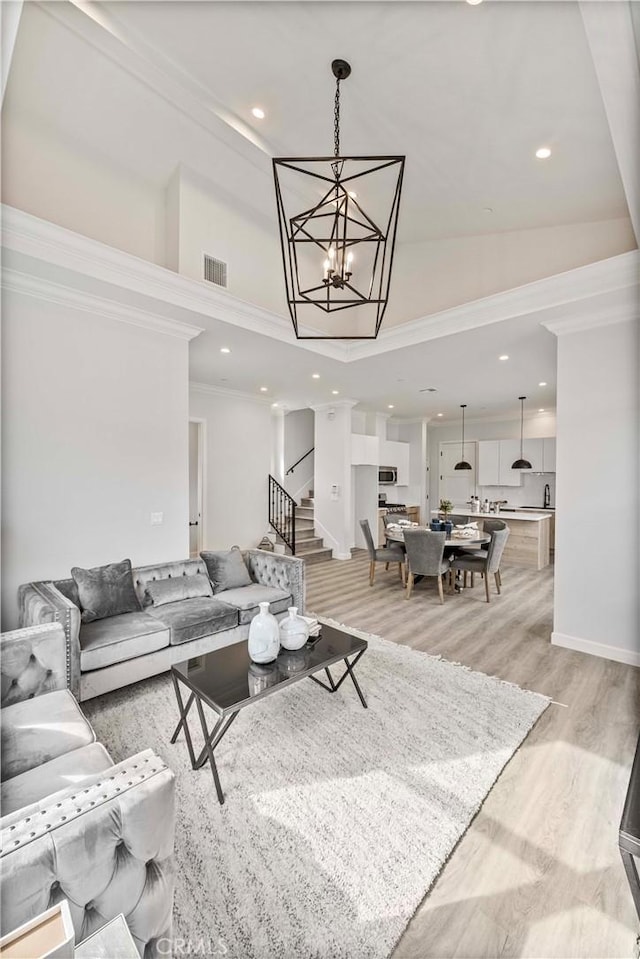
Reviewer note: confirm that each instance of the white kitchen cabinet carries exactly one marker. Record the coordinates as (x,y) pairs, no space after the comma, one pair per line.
(489,463)
(549,454)
(364,450)
(509,453)
(394,453)
(533,452)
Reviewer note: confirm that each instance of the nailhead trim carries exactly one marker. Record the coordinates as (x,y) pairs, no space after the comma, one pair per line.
(80,804)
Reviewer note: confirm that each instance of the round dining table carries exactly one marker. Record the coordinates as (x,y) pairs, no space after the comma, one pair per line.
(480,538)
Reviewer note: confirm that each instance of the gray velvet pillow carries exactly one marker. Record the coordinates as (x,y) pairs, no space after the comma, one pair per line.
(106,591)
(159,592)
(227,569)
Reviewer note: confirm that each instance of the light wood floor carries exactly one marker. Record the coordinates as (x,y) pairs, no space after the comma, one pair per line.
(538,872)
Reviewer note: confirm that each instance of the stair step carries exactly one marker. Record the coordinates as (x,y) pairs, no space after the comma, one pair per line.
(303,524)
(317,556)
(304,512)
(310,494)
(307,501)
(302,535)
(308,545)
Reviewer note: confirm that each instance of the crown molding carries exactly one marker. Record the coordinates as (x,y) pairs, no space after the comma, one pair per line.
(601,292)
(209,390)
(340,404)
(621,306)
(44,289)
(55,245)
(559,292)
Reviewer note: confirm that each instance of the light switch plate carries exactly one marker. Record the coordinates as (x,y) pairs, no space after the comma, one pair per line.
(156,519)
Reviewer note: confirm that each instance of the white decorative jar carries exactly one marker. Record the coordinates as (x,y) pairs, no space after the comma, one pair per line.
(294,632)
(264,636)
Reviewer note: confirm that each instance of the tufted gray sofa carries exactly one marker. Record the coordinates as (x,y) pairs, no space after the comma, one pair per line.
(74,825)
(114,652)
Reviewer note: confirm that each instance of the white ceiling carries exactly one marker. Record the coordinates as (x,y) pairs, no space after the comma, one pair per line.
(467,92)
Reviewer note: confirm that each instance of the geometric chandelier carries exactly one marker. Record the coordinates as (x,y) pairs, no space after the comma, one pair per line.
(338,218)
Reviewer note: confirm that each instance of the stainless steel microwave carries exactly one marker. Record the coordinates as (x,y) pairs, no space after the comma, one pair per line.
(387,475)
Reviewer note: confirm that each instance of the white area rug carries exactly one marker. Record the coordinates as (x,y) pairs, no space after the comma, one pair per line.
(337,819)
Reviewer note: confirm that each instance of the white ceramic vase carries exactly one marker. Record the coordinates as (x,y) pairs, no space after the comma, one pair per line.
(294,632)
(264,636)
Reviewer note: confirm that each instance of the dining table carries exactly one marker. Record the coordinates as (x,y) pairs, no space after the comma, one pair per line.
(394,533)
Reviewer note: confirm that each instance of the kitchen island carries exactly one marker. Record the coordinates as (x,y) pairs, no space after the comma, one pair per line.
(529,538)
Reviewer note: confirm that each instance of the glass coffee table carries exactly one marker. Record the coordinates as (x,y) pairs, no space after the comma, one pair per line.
(227,681)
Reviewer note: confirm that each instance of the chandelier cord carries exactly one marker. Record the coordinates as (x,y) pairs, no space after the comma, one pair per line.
(336,120)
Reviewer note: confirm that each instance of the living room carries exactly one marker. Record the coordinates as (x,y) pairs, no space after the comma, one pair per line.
(112,190)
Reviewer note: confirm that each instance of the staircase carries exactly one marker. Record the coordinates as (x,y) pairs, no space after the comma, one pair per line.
(309,546)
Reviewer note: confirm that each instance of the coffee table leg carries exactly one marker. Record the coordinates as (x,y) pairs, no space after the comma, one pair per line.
(183,724)
(355,683)
(207,752)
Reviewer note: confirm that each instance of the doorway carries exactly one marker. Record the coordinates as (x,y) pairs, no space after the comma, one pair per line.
(456,485)
(197,430)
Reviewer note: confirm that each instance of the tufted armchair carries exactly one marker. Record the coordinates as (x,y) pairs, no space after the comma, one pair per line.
(75,825)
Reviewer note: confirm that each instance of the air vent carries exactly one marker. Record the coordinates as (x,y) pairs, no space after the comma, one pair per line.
(429,389)
(215,271)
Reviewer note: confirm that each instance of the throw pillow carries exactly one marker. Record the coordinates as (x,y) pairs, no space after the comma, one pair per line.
(227,569)
(159,592)
(106,591)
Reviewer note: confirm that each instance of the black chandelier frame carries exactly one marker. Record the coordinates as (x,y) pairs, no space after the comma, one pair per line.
(341,225)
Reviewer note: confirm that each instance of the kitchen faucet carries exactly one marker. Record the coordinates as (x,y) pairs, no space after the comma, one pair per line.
(547,496)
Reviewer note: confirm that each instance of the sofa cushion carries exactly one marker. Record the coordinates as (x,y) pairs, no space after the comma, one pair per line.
(193,618)
(113,640)
(40,729)
(227,569)
(67,770)
(105,590)
(246,600)
(176,588)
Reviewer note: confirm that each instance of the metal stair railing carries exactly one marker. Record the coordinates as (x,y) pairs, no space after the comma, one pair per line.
(282,513)
(297,462)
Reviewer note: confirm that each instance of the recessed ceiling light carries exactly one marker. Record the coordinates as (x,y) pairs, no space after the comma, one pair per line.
(264,389)
(335,392)
(440,414)
(542,383)
(505,356)
(543,153)
(488,209)
(390,406)
(315,376)
(225,349)
(474,3)
(258,113)
(540,411)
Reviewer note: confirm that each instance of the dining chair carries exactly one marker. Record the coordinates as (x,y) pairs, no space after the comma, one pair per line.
(392,553)
(392,518)
(489,526)
(425,550)
(485,564)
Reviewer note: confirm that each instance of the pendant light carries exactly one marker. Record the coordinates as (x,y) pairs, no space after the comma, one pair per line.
(338,217)
(463,465)
(522,463)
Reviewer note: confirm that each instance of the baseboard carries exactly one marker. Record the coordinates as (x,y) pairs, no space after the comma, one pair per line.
(617,653)
(341,555)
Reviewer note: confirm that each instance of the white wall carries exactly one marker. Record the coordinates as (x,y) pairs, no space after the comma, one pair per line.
(461,269)
(94,418)
(56,181)
(334,517)
(597,557)
(238,460)
(298,440)
(209,222)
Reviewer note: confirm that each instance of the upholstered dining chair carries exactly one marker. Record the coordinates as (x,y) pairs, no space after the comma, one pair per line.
(485,564)
(393,553)
(489,526)
(425,557)
(391,517)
